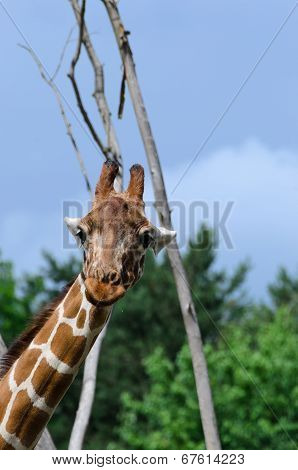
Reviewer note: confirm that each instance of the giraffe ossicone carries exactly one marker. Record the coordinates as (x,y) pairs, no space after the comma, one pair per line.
(41,364)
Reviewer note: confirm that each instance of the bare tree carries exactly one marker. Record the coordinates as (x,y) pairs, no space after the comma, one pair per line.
(183,288)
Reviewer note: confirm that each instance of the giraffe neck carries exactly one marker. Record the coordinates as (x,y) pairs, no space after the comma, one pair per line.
(33,387)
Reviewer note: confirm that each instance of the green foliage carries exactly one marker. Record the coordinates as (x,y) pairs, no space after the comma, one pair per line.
(218,297)
(255,390)
(284,291)
(167,417)
(13,314)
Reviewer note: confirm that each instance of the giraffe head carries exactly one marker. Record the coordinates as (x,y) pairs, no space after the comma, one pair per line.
(115,236)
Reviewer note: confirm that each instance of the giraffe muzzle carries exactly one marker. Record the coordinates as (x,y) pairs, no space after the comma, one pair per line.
(103,293)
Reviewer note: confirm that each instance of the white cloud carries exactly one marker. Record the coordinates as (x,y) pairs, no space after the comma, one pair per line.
(263,185)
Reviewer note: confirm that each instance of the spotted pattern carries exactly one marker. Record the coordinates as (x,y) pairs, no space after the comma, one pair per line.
(31,390)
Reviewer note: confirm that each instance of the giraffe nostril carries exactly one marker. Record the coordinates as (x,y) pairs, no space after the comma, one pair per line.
(115,278)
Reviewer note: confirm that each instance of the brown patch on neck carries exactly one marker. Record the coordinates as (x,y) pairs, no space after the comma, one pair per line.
(44,334)
(81,318)
(67,347)
(32,426)
(6,394)
(19,411)
(23,341)
(50,383)
(73,301)
(98,317)
(25,365)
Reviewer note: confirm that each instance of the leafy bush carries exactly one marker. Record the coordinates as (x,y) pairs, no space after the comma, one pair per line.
(255,390)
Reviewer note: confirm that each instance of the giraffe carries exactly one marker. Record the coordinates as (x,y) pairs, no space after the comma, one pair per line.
(41,364)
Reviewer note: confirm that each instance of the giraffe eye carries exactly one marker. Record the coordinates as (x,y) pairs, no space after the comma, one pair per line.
(146,239)
(81,236)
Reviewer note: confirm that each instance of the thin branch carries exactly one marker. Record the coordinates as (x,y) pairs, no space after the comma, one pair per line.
(186,302)
(71,76)
(63,114)
(68,40)
(99,95)
(45,442)
(122,96)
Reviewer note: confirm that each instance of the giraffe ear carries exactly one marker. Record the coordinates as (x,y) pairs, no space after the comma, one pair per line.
(163,237)
(75,230)
(72,224)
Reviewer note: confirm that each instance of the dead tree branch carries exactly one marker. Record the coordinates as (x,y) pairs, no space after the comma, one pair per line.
(62,55)
(71,76)
(99,93)
(64,116)
(45,442)
(122,97)
(184,293)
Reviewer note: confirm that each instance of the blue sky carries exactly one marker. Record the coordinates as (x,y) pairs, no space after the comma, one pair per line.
(192,57)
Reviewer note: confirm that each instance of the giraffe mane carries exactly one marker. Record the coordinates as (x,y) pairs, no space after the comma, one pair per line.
(37,322)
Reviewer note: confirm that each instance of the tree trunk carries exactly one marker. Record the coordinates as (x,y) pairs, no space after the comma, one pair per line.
(87,395)
(186,303)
